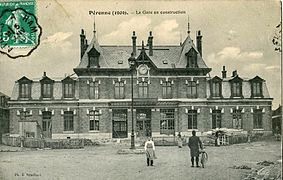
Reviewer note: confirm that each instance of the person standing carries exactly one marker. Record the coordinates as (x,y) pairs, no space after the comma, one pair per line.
(149,151)
(194,145)
(180,141)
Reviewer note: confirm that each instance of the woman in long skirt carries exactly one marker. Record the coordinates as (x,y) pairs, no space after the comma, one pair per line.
(149,151)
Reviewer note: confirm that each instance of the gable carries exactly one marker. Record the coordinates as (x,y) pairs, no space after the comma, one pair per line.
(256,79)
(46,79)
(68,79)
(93,52)
(143,58)
(236,79)
(24,80)
(191,52)
(216,79)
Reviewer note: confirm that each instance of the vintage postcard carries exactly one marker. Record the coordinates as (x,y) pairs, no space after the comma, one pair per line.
(140,89)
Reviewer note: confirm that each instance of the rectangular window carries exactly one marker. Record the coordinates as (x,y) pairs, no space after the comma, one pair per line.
(216,91)
(257,119)
(143,89)
(93,62)
(120,123)
(256,89)
(192,59)
(192,119)
(192,89)
(68,121)
(167,90)
(237,119)
(46,90)
(94,120)
(236,89)
(216,119)
(46,117)
(167,121)
(94,90)
(119,90)
(68,90)
(25,90)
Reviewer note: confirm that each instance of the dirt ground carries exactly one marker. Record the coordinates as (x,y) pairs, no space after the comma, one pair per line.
(103,163)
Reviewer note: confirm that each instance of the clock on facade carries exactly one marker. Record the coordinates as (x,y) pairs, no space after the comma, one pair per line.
(143,69)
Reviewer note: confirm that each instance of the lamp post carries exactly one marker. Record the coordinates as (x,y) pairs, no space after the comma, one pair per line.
(132,62)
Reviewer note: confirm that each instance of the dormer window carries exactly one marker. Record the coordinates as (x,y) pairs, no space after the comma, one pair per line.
(46,87)
(24,88)
(68,87)
(216,87)
(191,58)
(256,87)
(93,58)
(236,87)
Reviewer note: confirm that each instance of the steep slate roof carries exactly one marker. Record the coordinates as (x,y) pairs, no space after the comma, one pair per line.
(93,44)
(186,46)
(111,55)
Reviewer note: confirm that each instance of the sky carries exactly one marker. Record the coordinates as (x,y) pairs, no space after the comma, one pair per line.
(237,34)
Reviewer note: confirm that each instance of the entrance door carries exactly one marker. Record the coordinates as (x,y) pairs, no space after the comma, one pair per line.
(143,122)
(120,125)
(46,124)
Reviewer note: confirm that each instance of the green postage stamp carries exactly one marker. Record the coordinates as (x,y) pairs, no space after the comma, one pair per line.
(19,29)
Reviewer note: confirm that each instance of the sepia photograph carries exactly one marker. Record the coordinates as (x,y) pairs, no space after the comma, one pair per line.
(139,89)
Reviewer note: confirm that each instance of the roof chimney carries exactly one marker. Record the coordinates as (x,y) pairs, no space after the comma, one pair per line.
(149,42)
(82,35)
(199,45)
(234,73)
(224,73)
(85,45)
(134,40)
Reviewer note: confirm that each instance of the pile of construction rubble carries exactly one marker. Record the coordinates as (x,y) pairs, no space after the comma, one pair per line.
(265,170)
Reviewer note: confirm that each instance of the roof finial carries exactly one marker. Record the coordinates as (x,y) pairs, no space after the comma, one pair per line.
(94,31)
(189,25)
(142,46)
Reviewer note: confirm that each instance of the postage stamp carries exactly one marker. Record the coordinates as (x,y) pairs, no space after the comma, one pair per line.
(19,29)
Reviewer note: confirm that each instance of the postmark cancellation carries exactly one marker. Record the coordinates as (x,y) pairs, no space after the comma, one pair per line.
(19,29)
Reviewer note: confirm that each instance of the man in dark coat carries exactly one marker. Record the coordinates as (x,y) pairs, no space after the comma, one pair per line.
(194,145)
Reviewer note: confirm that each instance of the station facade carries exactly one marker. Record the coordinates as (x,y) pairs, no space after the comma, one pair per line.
(172,93)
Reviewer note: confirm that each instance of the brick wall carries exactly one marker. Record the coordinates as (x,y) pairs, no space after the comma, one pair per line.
(106,87)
